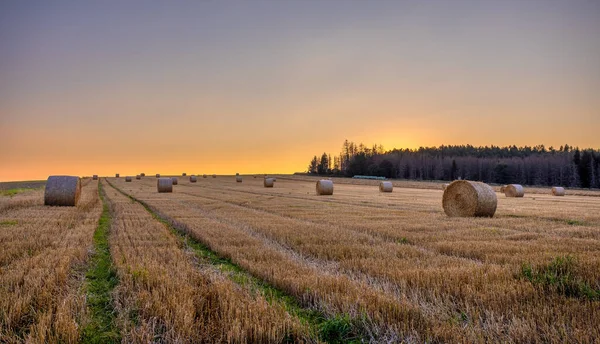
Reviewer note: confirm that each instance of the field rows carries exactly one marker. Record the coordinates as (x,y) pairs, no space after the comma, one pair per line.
(449,269)
(434,185)
(43,251)
(220,261)
(175,299)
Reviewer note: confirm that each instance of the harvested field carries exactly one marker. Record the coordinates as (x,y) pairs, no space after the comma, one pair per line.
(174,298)
(220,261)
(43,251)
(457,279)
(434,185)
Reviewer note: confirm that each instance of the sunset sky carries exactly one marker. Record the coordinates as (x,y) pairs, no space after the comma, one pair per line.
(262,86)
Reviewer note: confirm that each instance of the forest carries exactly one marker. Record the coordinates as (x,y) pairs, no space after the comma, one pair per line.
(566,166)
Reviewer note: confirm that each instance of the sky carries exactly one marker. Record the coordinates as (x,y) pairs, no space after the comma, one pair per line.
(104,87)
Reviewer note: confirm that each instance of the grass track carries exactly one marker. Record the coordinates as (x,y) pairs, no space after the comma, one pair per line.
(339,329)
(101,279)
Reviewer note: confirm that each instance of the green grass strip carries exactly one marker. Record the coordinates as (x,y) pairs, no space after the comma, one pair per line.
(339,329)
(560,276)
(12,192)
(9,223)
(101,279)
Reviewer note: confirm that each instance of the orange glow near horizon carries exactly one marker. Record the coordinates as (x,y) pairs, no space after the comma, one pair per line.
(252,87)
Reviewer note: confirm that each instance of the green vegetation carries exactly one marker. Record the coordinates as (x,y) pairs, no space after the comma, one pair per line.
(560,276)
(489,164)
(12,192)
(339,329)
(575,222)
(8,223)
(13,188)
(403,241)
(570,222)
(101,279)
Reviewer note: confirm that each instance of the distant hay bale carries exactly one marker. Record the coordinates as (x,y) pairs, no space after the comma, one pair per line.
(237,174)
(184,174)
(463,198)
(386,187)
(193,179)
(138,177)
(62,191)
(128,178)
(274,179)
(95,177)
(324,187)
(268,182)
(514,190)
(175,180)
(254,176)
(158,175)
(204,176)
(214,176)
(164,185)
(503,188)
(142,174)
(444,186)
(238,178)
(117,175)
(558,191)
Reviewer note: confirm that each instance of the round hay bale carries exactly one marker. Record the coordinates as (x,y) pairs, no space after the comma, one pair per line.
(158,175)
(184,174)
(238,178)
(128,178)
(268,182)
(117,175)
(138,177)
(193,179)
(324,187)
(164,185)
(558,191)
(514,190)
(386,187)
(464,198)
(95,177)
(142,174)
(503,188)
(214,176)
(204,176)
(62,191)
(254,176)
(444,186)
(175,180)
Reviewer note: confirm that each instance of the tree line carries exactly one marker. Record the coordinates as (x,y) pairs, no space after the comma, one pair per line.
(566,166)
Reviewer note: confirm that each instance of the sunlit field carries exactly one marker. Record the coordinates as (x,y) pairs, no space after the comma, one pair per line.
(223,261)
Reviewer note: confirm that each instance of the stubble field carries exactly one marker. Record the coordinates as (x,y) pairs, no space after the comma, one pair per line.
(220,261)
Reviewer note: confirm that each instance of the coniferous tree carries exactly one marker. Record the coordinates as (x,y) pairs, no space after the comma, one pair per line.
(577,157)
(584,169)
(323,165)
(453,170)
(312,167)
(568,166)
